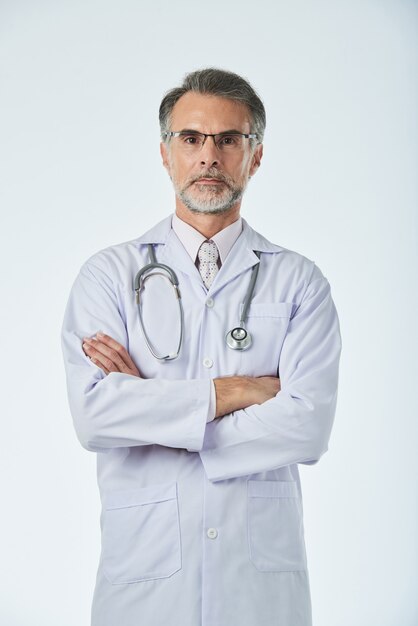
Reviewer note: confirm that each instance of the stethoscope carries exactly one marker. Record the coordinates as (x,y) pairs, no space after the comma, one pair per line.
(237,339)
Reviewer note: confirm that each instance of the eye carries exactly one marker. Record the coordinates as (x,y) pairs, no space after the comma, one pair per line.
(190,139)
(229,140)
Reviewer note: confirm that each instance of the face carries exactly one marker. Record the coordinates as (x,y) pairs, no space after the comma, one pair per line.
(210,180)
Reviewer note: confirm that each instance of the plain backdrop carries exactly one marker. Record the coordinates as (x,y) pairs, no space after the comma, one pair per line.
(80,87)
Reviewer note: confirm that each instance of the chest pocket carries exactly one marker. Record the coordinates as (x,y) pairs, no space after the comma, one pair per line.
(267,322)
(141,534)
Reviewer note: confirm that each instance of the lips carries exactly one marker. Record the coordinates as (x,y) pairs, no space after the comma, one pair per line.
(209,181)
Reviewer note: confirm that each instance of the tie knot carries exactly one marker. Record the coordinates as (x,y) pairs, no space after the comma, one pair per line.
(208,252)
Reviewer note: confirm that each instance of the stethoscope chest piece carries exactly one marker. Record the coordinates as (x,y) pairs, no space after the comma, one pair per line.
(238,338)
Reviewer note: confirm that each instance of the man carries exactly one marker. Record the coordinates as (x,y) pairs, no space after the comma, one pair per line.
(199,431)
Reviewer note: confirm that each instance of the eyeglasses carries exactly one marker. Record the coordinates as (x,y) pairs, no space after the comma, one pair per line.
(192,141)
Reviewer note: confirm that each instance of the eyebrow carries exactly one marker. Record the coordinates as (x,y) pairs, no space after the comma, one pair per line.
(223,132)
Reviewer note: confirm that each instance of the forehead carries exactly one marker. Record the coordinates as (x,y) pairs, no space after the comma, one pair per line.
(208,113)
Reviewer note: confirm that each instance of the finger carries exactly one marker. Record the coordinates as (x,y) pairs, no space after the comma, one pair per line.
(98,359)
(117,347)
(110,354)
(101,358)
(115,357)
(96,362)
(110,358)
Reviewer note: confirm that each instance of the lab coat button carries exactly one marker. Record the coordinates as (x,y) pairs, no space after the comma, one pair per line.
(210,302)
(212,533)
(207,362)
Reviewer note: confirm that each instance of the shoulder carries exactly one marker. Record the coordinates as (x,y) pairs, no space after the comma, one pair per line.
(111,257)
(109,267)
(116,258)
(288,260)
(296,275)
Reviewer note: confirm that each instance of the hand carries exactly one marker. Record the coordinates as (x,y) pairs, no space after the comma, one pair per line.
(238,392)
(258,390)
(109,355)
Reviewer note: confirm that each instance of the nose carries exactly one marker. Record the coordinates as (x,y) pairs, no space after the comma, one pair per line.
(209,152)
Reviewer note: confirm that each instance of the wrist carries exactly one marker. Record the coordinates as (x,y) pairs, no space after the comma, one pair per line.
(229,394)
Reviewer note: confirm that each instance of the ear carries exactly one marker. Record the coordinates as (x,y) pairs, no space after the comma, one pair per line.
(256,159)
(164,153)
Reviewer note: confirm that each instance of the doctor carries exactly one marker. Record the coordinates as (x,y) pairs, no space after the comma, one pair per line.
(198,441)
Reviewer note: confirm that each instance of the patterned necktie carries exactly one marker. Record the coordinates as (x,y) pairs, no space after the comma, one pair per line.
(208,255)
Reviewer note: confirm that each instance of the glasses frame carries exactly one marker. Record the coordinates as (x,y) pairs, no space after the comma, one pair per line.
(178,133)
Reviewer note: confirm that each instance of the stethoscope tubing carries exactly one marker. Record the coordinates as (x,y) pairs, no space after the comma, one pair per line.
(140,279)
(249,294)
(231,340)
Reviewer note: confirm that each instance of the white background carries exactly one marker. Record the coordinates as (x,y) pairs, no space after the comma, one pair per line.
(81,84)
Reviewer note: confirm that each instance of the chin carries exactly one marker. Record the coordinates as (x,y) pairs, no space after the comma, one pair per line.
(206,211)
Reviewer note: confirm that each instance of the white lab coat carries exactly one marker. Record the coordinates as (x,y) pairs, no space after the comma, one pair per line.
(202,523)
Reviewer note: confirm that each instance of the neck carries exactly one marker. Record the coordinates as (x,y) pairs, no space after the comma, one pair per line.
(206,223)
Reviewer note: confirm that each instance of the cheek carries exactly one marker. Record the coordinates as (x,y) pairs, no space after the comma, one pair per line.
(241,174)
(242,169)
(181,171)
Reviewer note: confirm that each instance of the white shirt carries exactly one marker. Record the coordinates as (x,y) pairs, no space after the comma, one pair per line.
(192,239)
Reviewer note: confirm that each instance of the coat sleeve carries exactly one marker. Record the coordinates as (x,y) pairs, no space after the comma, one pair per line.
(295,426)
(119,410)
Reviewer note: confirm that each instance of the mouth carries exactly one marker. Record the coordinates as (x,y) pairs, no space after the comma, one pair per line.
(209,181)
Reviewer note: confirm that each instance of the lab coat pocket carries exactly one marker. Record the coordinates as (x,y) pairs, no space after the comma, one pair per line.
(267,322)
(141,534)
(275,526)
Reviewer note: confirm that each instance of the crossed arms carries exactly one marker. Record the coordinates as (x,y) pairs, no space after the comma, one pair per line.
(232,392)
(266,422)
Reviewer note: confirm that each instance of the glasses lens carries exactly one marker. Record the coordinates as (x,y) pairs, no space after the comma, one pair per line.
(229,142)
(190,141)
(193,142)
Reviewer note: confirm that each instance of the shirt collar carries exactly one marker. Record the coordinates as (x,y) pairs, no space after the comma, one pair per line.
(192,239)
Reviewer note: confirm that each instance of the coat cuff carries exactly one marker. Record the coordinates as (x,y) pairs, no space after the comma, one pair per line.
(201,414)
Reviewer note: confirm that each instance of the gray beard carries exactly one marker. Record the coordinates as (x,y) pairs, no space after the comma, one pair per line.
(215,206)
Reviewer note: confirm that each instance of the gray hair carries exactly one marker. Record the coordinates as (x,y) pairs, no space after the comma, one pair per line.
(216,82)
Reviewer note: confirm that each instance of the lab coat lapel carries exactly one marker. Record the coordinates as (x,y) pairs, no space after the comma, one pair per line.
(172,252)
(240,258)
(176,255)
